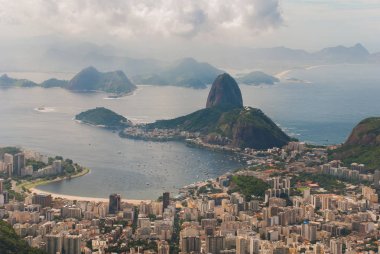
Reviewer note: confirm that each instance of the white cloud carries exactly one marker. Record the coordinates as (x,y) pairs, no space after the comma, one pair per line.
(134,18)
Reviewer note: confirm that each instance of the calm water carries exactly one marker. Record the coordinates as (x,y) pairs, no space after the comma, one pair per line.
(322,110)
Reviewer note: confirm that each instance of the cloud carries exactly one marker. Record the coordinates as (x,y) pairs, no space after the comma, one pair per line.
(134,18)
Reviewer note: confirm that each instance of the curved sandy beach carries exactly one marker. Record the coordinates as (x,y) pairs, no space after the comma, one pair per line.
(92,199)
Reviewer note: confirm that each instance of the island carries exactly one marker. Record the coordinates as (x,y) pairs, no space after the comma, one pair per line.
(103,117)
(257,78)
(90,79)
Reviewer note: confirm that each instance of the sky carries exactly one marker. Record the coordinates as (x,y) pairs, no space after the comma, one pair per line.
(151,27)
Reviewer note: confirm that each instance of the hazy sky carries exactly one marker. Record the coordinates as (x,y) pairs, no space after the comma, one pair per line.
(185,25)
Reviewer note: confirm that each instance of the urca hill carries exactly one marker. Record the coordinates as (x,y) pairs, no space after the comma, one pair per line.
(225,118)
(362,146)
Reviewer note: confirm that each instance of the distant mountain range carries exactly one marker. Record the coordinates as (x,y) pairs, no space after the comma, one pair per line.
(282,58)
(87,80)
(71,57)
(186,72)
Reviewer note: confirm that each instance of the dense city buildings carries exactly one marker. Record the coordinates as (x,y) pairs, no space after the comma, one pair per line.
(290,200)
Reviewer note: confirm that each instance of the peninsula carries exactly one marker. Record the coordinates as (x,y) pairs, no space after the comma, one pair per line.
(257,78)
(224,122)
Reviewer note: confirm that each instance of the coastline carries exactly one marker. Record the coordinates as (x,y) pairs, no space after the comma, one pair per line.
(33,185)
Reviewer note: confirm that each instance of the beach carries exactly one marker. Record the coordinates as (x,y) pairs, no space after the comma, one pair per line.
(91,199)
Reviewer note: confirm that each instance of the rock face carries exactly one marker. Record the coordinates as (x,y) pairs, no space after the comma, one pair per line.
(224,92)
(366,133)
(90,79)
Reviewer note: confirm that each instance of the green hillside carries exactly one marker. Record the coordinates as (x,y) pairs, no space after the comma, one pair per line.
(362,146)
(104,117)
(11,243)
(245,127)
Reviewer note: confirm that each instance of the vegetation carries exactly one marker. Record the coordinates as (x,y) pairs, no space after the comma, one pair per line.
(11,243)
(9,149)
(35,164)
(174,243)
(208,188)
(326,182)
(249,186)
(104,117)
(12,194)
(25,185)
(368,155)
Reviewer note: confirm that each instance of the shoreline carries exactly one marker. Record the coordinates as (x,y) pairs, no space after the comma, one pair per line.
(32,188)
(33,185)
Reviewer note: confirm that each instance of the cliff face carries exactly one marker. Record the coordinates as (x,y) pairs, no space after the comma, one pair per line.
(224,92)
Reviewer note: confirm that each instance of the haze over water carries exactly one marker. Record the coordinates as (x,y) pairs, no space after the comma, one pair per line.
(322,110)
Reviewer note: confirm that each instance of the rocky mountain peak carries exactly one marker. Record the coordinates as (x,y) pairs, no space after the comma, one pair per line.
(224,92)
